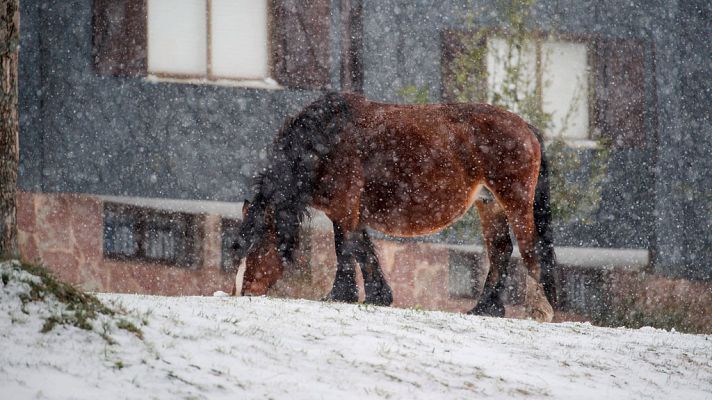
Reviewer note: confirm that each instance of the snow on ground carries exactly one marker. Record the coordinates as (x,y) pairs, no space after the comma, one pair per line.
(217,347)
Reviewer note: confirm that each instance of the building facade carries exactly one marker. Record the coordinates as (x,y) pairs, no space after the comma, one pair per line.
(110,105)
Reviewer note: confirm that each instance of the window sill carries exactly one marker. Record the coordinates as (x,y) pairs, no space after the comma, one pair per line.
(578,143)
(267,83)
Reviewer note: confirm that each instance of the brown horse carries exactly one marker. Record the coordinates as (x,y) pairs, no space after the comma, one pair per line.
(404,170)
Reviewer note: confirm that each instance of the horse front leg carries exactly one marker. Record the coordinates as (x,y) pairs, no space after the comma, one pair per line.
(344,288)
(340,189)
(498,245)
(377,290)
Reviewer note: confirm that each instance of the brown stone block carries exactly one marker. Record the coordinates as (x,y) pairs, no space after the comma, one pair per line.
(212,242)
(53,223)
(90,278)
(394,263)
(29,252)
(313,273)
(321,266)
(63,263)
(211,280)
(26,218)
(418,275)
(58,259)
(86,224)
(126,277)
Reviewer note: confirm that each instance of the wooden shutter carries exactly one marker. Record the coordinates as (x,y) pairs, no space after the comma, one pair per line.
(619,85)
(301,43)
(458,84)
(119,37)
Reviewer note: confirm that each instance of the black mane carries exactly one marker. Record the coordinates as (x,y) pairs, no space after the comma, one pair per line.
(287,184)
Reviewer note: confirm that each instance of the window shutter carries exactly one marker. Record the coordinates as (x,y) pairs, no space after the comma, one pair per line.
(301,43)
(468,81)
(619,85)
(351,46)
(119,37)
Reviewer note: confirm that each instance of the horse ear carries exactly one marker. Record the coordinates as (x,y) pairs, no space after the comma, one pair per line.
(245,207)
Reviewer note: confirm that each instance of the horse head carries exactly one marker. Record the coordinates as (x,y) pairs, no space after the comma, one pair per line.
(256,253)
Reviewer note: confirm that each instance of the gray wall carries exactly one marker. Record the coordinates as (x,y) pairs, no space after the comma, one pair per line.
(81,132)
(85,133)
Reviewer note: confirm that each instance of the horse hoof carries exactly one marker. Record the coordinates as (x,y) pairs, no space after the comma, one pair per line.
(378,294)
(490,309)
(384,298)
(341,297)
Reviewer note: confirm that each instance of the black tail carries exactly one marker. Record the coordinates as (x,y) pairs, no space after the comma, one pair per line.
(542,220)
(287,184)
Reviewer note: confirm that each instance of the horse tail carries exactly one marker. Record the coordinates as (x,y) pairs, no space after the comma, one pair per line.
(542,221)
(287,185)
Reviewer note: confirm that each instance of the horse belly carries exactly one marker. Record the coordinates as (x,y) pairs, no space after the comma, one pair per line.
(417,204)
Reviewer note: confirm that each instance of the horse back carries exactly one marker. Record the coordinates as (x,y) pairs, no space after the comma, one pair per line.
(418,167)
(484,139)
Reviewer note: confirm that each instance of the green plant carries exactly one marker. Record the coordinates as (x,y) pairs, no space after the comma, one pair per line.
(415,95)
(82,307)
(78,309)
(576,199)
(130,327)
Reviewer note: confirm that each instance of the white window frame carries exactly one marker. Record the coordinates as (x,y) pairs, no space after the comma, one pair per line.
(585,98)
(209,77)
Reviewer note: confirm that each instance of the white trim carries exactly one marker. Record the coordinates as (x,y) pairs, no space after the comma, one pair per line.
(225,209)
(576,143)
(267,83)
(583,257)
(318,219)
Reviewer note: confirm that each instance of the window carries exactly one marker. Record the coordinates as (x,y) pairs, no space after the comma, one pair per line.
(208,38)
(564,82)
(144,234)
(466,274)
(556,72)
(229,229)
(590,86)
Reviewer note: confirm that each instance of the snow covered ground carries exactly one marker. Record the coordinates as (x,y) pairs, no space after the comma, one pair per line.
(244,348)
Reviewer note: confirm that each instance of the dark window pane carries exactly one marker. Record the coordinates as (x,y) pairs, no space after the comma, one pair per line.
(120,233)
(145,234)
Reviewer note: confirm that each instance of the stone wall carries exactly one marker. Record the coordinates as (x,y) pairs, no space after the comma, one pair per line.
(65,233)
(635,299)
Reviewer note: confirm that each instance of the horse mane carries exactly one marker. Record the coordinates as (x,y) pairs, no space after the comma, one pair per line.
(286,185)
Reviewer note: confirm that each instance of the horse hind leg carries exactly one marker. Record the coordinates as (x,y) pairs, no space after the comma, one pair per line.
(498,245)
(378,292)
(521,216)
